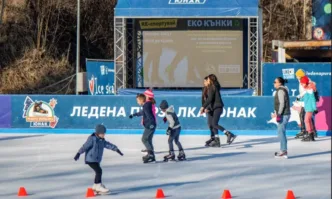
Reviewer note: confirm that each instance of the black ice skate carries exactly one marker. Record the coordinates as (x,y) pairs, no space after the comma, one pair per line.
(181,156)
(215,142)
(207,143)
(169,157)
(282,154)
(149,157)
(300,135)
(309,138)
(230,137)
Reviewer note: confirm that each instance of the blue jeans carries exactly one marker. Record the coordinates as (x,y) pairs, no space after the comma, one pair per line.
(282,132)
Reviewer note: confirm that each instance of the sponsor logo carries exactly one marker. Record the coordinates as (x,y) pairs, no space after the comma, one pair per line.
(187,1)
(96,89)
(288,73)
(319,33)
(104,70)
(158,24)
(40,113)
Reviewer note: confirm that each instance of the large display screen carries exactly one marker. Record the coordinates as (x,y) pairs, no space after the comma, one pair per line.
(183,58)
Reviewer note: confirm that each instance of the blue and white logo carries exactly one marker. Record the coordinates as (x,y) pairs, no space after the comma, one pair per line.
(288,73)
(103,70)
(187,1)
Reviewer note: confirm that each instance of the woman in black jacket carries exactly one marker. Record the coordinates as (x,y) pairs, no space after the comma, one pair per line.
(213,105)
(207,110)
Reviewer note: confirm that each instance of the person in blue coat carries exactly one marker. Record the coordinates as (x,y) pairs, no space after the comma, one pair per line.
(94,149)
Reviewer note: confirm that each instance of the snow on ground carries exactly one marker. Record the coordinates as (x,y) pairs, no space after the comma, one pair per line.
(44,165)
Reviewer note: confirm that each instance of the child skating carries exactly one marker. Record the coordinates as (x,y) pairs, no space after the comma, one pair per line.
(173,131)
(93,149)
(308,97)
(150,98)
(149,123)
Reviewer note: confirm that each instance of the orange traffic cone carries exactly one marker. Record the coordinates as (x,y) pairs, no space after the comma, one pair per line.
(90,193)
(160,194)
(22,192)
(226,194)
(290,195)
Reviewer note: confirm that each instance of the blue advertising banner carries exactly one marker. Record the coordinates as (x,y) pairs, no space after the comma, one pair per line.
(100,75)
(186,8)
(80,112)
(321,19)
(320,73)
(5,111)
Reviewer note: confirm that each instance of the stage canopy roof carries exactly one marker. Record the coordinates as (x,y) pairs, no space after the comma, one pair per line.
(186,8)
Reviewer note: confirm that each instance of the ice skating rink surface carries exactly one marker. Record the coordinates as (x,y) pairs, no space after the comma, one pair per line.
(44,165)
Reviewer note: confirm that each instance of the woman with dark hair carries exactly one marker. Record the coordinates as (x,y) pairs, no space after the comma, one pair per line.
(281,113)
(213,105)
(208,109)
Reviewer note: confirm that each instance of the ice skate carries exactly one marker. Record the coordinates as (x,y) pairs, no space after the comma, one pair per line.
(169,157)
(149,158)
(230,137)
(94,187)
(300,135)
(207,143)
(315,134)
(309,138)
(282,154)
(100,189)
(215,142)
(181,156)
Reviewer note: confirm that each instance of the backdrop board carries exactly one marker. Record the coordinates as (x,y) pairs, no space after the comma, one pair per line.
(100,75)
(320,73)
(321,19)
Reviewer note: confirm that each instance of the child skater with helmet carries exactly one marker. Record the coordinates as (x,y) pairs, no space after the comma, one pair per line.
(173,131)
(94,149)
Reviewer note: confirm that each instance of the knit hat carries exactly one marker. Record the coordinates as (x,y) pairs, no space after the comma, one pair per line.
(163,105)
(149,93)
(300,73)
(304,80)
(100,129)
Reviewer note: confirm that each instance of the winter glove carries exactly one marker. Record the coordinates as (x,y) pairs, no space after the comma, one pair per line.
(77,156)
(168,131)
(279,117)
(119,152)
(316,111)
(165,119)
(131,116)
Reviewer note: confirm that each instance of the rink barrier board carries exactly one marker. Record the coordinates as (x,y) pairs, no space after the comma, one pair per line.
(71,114)
(158,132)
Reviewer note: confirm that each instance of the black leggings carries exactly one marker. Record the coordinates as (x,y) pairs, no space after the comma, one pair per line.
(96,167)
(213,119)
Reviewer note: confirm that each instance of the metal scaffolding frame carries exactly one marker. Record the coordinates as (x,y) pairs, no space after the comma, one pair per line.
(253,66)
(120,51)
(128,53)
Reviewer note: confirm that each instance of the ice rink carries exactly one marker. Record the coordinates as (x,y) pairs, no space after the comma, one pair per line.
(44,165)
